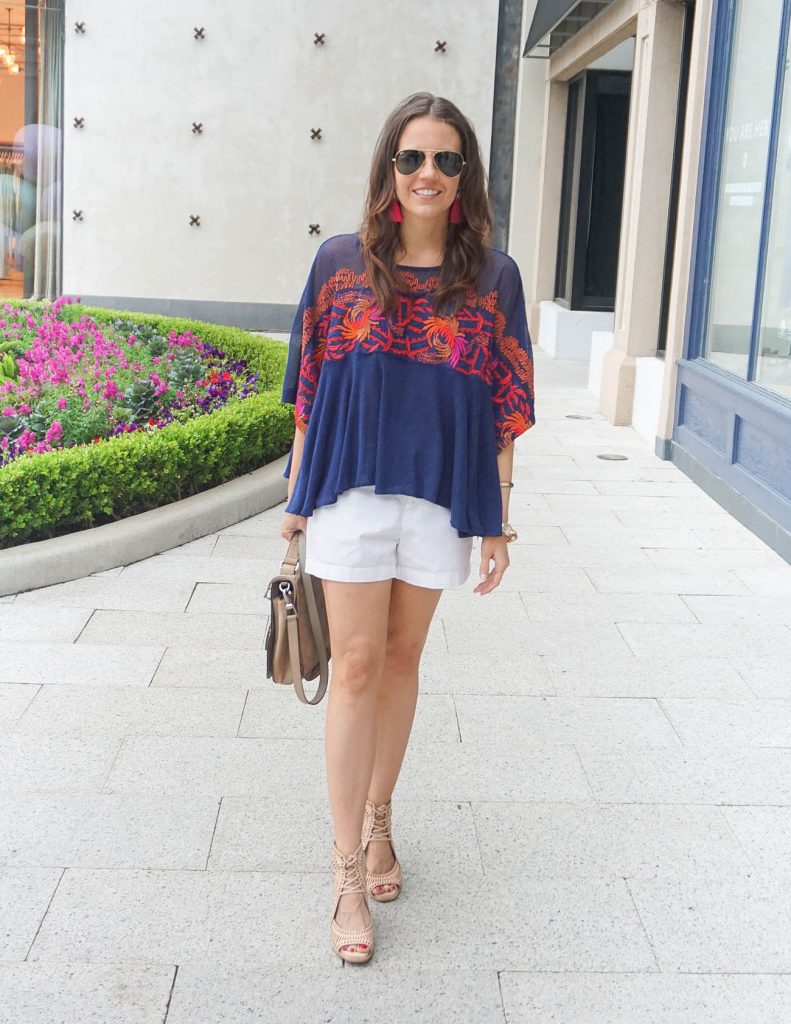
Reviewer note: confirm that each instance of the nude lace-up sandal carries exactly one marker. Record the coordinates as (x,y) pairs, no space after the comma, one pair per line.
(377,822)
(348,877)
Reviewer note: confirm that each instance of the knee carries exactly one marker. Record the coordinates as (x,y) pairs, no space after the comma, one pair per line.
(356,670)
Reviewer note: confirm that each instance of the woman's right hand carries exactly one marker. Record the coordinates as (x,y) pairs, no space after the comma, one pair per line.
(293,524)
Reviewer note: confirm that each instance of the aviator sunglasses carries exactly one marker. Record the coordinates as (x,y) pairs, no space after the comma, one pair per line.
(407,161)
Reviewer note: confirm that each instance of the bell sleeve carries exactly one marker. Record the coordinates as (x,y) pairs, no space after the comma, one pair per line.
(306,348)
(512,370)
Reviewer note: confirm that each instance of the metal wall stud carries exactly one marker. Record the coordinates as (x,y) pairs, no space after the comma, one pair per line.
(197,127)
(194,220)
(76,214)
(441,46)
(315,133)
(200,33)
(79,28)
(315,229)
(318,38)
(79,122)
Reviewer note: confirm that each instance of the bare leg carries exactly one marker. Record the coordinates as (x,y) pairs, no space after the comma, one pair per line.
(358,616)
(411,611)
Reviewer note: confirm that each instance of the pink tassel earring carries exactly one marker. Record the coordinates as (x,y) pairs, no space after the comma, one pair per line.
(395,213)
(456,215)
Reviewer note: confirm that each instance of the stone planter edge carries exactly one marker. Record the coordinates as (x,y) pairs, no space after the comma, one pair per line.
(47,562)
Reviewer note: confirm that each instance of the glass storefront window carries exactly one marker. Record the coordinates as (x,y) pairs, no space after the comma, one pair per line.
(741,191)
(31,145)
(773,364)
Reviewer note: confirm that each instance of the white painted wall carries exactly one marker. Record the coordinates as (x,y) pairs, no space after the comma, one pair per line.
(527,157)
(601,343)
(259,84)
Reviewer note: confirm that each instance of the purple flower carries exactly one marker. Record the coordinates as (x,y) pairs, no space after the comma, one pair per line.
(62,403)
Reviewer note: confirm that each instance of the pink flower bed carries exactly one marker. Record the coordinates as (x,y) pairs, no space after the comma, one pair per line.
(65,382)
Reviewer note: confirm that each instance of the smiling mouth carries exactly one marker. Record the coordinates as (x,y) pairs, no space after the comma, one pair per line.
(427,193)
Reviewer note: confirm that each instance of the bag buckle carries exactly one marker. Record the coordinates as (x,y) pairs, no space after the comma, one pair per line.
(286,592)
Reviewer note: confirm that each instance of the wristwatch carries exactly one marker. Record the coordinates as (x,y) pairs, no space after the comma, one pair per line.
(509,533)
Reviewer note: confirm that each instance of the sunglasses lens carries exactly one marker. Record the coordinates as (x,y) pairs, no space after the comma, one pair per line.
(408,161)
(449,163)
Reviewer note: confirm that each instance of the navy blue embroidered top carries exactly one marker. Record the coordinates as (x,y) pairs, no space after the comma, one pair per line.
(414,403)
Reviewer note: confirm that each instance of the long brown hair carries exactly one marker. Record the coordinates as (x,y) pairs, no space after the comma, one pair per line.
(465,243)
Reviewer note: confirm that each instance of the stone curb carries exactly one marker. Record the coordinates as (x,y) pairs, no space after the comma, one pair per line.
(46,562)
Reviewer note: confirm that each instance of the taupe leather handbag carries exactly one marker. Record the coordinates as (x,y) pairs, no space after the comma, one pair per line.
(298,638)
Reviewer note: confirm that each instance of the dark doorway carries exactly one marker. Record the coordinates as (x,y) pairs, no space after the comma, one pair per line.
(592,190)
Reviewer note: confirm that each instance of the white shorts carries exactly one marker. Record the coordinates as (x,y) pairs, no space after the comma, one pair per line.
(364,537)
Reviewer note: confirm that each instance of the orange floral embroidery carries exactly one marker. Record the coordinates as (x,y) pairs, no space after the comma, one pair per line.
(358,320)
(518,358)
(444,336)
(472,341)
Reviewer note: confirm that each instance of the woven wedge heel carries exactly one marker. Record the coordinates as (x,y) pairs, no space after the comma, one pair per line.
(348,877)
(377,824)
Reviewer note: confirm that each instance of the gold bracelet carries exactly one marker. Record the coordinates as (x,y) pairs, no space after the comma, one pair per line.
(506,483)
(509,533)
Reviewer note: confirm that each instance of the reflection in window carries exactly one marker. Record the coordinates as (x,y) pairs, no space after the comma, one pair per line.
(773,367)
(31,154)
(741,196)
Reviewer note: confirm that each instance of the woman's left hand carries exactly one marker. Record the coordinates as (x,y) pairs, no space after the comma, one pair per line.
(493,549)
(293,524)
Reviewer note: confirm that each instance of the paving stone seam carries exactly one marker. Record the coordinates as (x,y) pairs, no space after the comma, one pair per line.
(642,925)
(241,716)
(477,836)
(502,998)
(194,590)
(43,916)
(170,993)
(112,764)
(213,833)
(153,674)
(663,709)
(591,790)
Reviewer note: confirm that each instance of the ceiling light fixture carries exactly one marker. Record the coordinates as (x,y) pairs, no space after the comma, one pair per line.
(9,61)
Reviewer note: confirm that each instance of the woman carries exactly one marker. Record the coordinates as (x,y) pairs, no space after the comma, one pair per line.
(410,368)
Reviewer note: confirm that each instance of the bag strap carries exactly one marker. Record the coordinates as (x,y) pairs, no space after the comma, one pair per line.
(292,555)
(293,654)
(315,627)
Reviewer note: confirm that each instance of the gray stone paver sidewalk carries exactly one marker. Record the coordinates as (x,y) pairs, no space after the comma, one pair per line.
(594,814)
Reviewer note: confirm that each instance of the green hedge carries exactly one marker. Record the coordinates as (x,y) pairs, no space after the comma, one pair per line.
(69,489)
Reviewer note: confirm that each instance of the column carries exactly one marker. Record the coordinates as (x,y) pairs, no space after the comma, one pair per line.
(652,121)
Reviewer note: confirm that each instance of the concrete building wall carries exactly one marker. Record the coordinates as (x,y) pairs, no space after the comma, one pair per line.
(527,159)
(259,85)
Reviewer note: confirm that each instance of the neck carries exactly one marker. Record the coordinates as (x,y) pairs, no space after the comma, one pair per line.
(422,243)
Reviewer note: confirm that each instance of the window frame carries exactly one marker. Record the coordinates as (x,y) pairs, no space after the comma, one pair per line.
(708,188)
